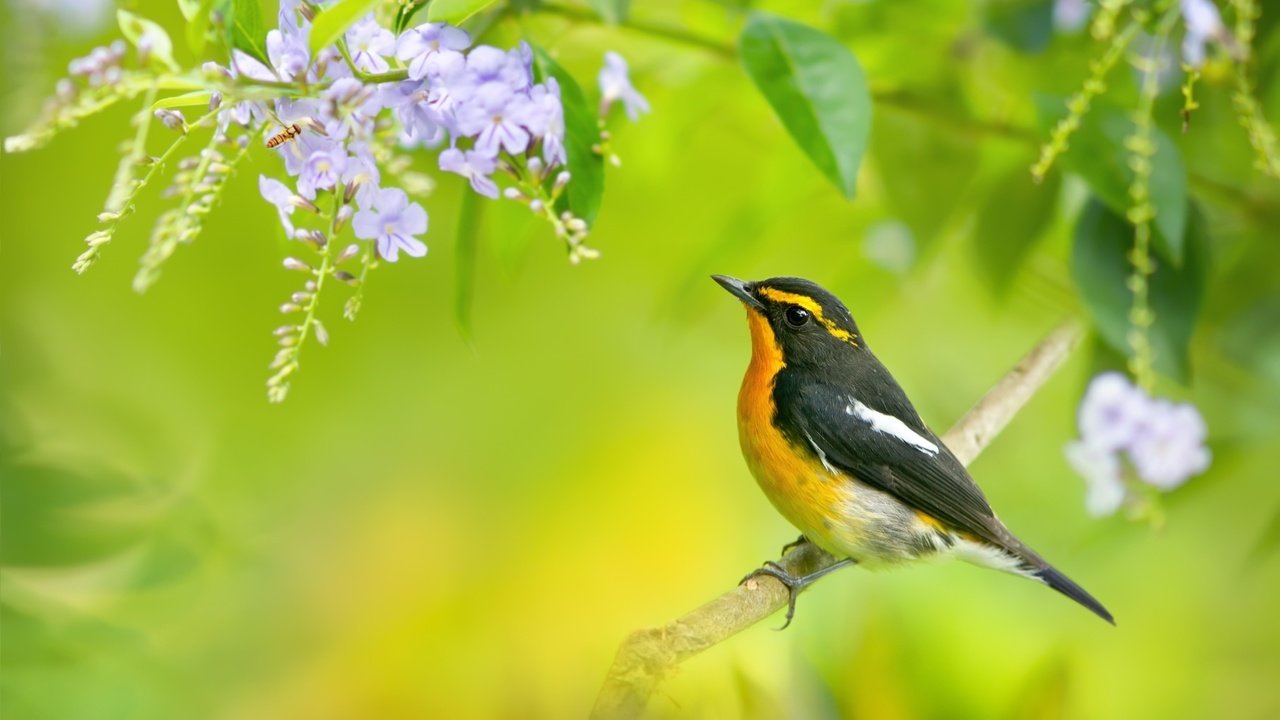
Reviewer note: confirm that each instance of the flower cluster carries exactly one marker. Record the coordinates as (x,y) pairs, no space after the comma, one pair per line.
(1162,441)
(344,120)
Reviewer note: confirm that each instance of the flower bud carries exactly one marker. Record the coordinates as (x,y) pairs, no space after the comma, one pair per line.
(348,252)
(172,119)
(322,335)
(293,263)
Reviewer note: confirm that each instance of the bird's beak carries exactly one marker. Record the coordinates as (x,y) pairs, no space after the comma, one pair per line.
(740,289)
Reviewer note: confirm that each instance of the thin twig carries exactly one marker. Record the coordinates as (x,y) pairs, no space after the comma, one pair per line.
(647,655)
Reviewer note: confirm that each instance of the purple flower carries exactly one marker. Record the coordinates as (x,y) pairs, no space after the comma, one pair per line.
(432,49)
(349,106)
(278,194)
(322,171)
(545,119)
(1105,490)
(615,84)
(1069,15)
(1170,448)
(1204,23)
(392,224)
(493,117)
(288,53)
(474,166)
(369,43)
(362,171)
(1112,412)
(419,120)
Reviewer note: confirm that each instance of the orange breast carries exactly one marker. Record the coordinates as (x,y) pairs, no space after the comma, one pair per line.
(793,478)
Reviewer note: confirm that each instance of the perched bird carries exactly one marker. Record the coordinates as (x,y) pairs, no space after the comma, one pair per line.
(839,450)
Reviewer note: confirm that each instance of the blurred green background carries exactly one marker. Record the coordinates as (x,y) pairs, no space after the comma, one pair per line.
(431,527)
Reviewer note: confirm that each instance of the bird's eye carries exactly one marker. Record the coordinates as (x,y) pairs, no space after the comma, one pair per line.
(797,316)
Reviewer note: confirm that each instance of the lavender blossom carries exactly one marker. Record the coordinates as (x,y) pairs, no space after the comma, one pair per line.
(392,224)
(370,44)
(1105,489)
(1163,441)
(1170,448)
(1070,15)
(1112,411)
(493,116)
(615,85)
(322,171)
(473,165)
(432,50)
(1203,23)
(279,195)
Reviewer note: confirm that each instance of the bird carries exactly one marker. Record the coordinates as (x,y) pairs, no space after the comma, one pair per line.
(840,451)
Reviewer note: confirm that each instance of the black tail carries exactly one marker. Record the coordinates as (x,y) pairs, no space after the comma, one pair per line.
(1063,584)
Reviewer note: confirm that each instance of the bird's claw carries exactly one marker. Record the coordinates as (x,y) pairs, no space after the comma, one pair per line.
(802,540)
(793,584)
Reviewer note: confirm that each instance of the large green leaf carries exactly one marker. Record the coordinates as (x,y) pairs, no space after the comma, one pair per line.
(1101,268)
(613,12)
(817,89)
(1011,220)
(455,12)
(582,132)
(147,36)
(1097,153)
(1025,25)
(331,23)
(245,30)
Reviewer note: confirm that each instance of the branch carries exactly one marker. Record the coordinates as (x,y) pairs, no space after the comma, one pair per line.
(647,655)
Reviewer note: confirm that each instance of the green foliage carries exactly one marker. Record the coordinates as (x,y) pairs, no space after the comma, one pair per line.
(582,138)
(1014,215)
(150,39)
(1026,25)
(1100,155)
(245,31)
(613,12)
(455,12)
(333,21)
(817,89)
(1100,266)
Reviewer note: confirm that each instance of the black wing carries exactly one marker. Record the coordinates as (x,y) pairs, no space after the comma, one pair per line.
(933,482)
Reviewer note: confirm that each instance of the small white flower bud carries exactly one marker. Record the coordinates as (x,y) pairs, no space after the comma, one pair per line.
(348,252)
(322,335)
(289,308)
(536,206)
(512,194)
(293,263)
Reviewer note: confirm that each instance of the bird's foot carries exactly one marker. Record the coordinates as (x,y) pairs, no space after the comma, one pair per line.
(793,583)
(802,540)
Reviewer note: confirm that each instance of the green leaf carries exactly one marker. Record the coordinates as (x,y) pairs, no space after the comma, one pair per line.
(817,89)
(188,8)
(191,99)
(1097,153)
(198,26)
(1024,25)
(1101,268)
(330,24)
(613,12)
(245,31)
(455,12)
(1011,220)
(582,132)
(465,266)
(149,38)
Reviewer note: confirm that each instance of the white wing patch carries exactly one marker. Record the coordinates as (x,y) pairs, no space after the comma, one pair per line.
(890,425)
(821,455)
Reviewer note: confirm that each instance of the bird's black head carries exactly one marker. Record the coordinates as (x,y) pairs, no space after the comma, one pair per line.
(805,322)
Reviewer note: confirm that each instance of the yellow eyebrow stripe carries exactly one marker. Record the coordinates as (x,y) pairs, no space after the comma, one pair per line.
(814,309)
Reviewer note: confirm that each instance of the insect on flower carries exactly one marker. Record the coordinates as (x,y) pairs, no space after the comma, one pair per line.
(285,136)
